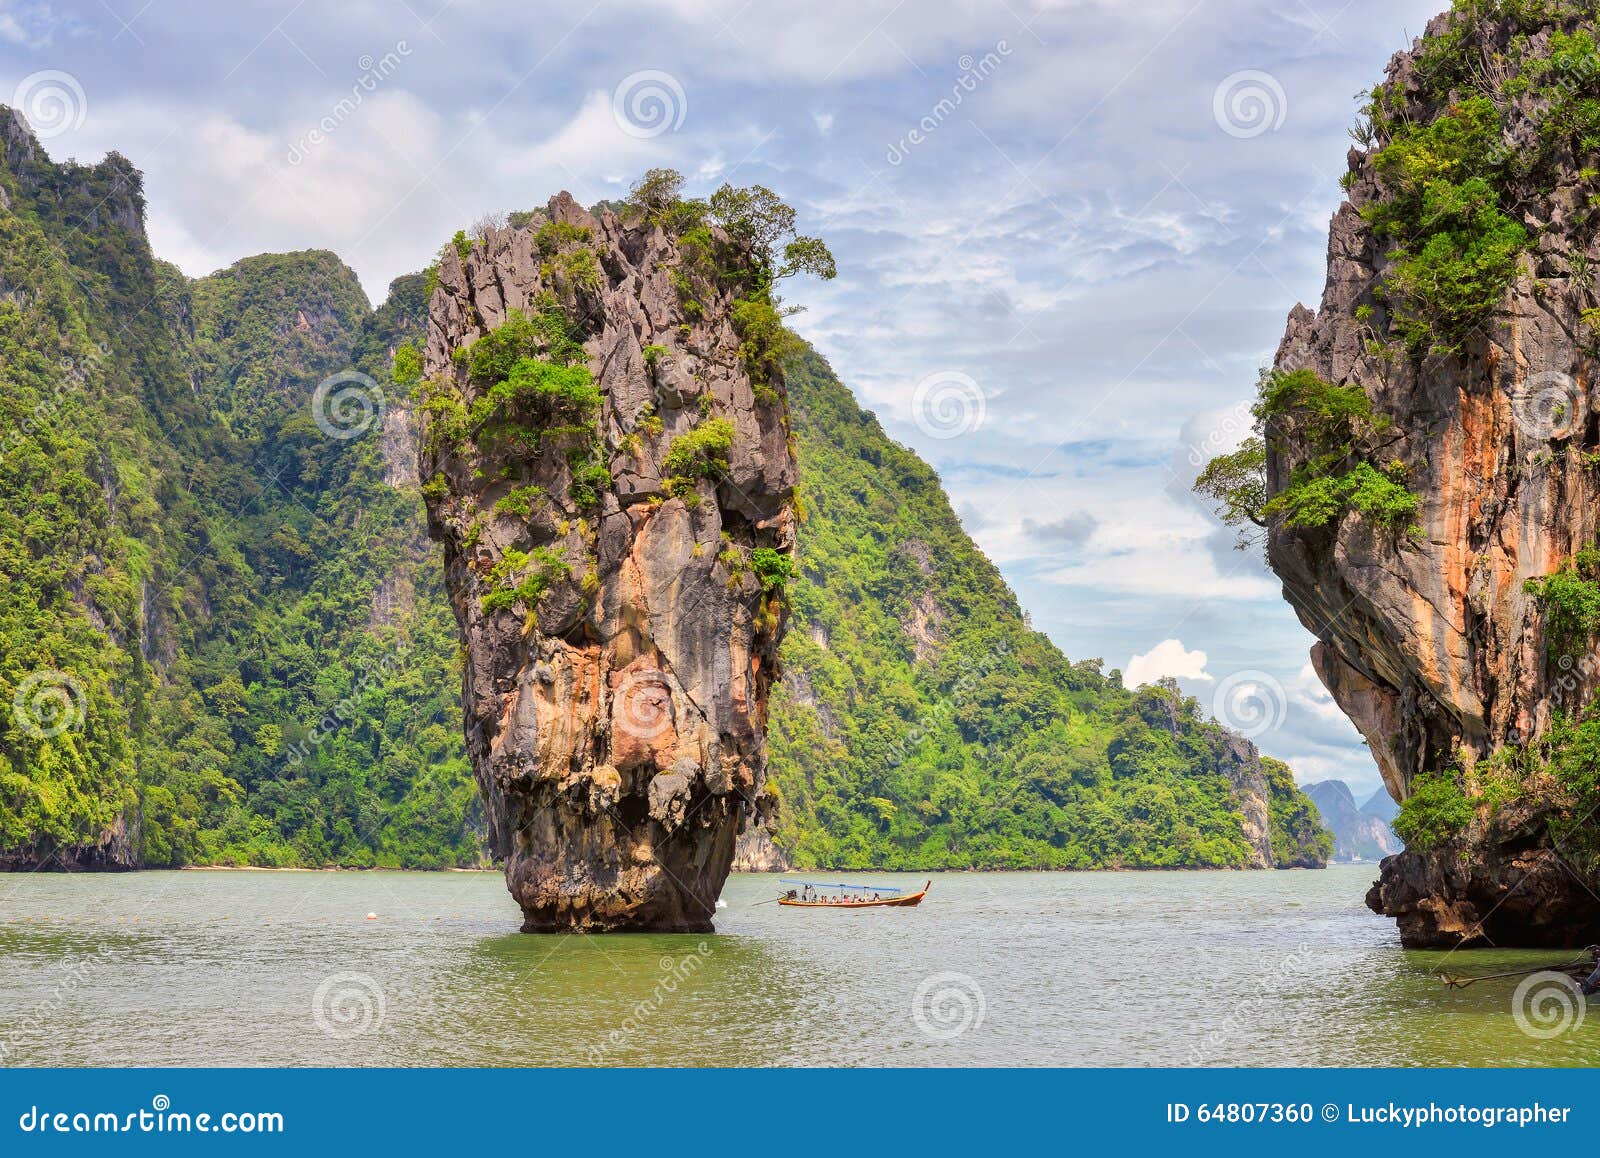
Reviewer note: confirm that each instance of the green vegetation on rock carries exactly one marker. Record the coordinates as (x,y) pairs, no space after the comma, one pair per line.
(1436,811)
(1571,602)
(1335,436)
(1556,777)
(1456,189)
(697,454)
(232,609)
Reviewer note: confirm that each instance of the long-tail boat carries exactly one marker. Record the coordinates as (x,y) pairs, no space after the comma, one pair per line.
(808,895)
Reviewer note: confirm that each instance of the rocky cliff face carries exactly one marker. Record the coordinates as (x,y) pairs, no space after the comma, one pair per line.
(600,554)
(1431,640)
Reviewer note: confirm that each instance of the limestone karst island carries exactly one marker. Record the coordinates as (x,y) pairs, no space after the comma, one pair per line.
(795,507)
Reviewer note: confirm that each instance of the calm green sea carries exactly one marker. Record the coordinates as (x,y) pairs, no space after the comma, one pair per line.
(254,968)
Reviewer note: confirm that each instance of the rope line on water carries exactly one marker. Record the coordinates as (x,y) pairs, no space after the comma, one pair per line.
(1577,966)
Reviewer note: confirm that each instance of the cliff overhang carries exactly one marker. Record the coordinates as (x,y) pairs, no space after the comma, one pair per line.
(1439,639)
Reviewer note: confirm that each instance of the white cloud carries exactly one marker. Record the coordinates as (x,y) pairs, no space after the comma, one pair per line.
(589,149)
(1308,694)
(34,24)
(1167,658)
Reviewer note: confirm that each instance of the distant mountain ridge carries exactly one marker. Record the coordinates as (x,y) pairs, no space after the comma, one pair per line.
(1359,834)
(1381,805)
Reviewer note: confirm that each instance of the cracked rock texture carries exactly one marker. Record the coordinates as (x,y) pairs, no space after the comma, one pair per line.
(1430,644)
(617,730)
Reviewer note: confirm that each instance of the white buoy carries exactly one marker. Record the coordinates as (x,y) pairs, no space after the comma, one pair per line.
(721,904)
(372,916)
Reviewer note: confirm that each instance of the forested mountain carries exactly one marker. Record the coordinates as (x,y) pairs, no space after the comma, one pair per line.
(197,575)
(922,723)
(223,638)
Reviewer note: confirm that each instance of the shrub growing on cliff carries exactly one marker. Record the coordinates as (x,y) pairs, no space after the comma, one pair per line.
(738,239)
(1333,434)
(1557,775)
(520,577)
(448,422)
(1570,753)
(1436,811)
(765,343)
(1461,146)
(579,268)
(701,453)
(547,389)
(1313,500)
(1237,484)
(547,334)
(590,479)
(758,225)
(554,236)
(658,189)
(538,388)
(1455,251)
(1447,282)
(772,568)
(756,219)
(1571,602)
(1488,124)
(519,501)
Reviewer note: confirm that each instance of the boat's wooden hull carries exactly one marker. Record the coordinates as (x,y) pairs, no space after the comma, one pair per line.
(909,901)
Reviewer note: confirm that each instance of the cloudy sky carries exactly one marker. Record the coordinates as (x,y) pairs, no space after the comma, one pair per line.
(1068,231)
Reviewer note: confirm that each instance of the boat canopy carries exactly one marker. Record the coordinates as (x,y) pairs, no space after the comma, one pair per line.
(852,888)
